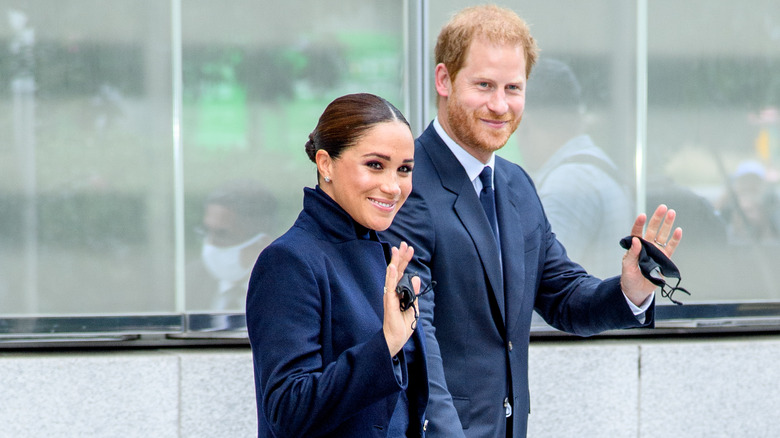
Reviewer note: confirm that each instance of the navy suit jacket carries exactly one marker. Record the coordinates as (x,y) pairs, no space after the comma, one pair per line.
(314,315)
(477,321)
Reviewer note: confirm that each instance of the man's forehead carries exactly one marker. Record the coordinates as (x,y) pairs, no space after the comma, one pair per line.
(219,214)
(491,55)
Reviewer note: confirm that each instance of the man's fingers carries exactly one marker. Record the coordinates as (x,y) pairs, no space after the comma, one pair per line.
(639,225)
(654,224)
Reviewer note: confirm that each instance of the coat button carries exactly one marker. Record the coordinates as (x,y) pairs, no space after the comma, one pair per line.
(510,345)
(507,407)
(425,425)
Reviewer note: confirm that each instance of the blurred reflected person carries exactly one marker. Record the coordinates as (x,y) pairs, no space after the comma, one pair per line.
(334,354)
(478,229)
(750,205)
(237,218)
(585,196)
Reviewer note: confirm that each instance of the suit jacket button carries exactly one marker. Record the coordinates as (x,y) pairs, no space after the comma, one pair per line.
(510,345)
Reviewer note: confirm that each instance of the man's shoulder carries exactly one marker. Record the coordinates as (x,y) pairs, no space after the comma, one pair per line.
(425,145)
(513,172)
(429,155)
(509,166)
(428,135)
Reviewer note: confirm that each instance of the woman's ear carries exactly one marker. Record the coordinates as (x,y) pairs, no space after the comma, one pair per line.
(324,164)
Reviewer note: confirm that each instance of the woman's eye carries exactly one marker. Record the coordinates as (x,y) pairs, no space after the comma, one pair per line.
(405,169)
(374,165)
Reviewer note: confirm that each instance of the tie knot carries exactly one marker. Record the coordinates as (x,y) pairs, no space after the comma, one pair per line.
(486,177)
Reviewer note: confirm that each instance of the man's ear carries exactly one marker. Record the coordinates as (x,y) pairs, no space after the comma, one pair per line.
(443,80)
(324,163)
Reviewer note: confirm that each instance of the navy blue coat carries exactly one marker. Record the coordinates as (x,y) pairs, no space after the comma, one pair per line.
(314,315)
(478,335)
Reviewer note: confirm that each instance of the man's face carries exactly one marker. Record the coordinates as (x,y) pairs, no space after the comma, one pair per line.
(223,228)
(749,190)
(484,104)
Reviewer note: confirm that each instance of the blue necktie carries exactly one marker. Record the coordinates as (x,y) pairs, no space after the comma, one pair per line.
(488,198)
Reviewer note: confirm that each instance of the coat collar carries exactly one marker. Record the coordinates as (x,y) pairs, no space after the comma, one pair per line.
(450,171)
(321,212)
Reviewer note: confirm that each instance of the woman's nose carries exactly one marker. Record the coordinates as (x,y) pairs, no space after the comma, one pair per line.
(391,186)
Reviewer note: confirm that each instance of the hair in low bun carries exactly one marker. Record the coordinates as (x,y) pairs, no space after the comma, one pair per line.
(311,149)
(346,120)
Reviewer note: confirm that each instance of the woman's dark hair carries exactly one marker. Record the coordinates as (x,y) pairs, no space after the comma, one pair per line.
(346,119)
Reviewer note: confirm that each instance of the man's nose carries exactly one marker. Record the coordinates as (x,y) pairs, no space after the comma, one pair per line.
(497,102)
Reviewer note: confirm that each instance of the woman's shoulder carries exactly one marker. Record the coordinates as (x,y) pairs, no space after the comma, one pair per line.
(295,242)
(294,257)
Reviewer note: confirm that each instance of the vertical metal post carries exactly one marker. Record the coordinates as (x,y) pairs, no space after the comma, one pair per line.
(416,79)
(178,164)
(23,92)
(641,105)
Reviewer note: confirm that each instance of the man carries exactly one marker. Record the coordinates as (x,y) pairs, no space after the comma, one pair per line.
(490,277)
(586,198)
(235,228)
(749,205)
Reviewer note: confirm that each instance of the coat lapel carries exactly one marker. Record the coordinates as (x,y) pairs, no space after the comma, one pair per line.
(469,211)
(510,224)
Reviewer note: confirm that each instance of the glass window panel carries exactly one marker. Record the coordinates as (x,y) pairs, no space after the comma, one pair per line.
(85,168)
(257,75)
(713,141)
(87,190)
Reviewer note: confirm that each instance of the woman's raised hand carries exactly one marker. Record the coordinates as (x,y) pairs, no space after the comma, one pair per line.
(398,325)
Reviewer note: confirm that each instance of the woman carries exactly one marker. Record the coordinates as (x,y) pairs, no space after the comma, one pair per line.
(332,352)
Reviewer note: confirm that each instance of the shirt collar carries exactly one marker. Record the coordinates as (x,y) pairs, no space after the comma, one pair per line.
(472,165)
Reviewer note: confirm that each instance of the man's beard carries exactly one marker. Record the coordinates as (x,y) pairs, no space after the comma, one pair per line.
(470,131)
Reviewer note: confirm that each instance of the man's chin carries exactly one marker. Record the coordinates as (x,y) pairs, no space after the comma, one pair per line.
(494,143)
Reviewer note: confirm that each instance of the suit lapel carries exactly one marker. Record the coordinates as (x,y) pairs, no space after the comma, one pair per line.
(469,211)
(510,225)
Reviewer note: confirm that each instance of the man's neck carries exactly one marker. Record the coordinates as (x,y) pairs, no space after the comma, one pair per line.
(445,132)
(471,164)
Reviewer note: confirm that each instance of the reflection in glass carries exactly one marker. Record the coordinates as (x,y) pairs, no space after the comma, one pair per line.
(706,100)
(750,205)
(85,182)
(235,228)
(587,198)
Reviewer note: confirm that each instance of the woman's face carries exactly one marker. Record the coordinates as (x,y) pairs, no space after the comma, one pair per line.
(373,178)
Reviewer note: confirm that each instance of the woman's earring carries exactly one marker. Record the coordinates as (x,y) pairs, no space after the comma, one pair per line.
(327,179)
